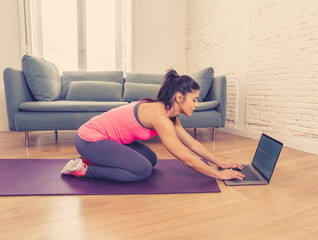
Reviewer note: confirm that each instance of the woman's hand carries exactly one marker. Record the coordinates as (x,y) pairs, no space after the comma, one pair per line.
(231,165)
(230,174)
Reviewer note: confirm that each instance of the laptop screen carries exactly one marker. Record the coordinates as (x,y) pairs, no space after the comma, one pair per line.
(266,155)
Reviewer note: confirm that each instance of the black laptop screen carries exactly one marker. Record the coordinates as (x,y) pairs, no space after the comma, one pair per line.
(266,155)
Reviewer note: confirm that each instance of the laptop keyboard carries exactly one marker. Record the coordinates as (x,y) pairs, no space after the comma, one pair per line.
(249,175)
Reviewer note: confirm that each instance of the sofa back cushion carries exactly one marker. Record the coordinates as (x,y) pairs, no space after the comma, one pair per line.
(96,91)
(42,77)
(204,78)
(141,85)
(135,91)
(144,78)
(76,76)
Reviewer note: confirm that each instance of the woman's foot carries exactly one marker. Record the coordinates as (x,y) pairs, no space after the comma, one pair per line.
(86,161)
(75,167)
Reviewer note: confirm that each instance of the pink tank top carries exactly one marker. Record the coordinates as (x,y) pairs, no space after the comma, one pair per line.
(119,125)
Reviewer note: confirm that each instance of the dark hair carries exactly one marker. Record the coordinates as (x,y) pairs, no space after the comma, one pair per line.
(171,84)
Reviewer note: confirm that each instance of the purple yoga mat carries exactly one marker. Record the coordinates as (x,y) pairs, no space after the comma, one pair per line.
(23,177)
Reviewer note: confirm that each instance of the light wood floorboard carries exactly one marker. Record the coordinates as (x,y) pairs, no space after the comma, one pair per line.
(287,208)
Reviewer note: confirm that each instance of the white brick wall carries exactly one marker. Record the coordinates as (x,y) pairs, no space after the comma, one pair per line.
(212,30)
(281,74)
(282,82)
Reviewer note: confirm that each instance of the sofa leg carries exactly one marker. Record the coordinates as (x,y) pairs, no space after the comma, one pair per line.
(26,139)
(195,132)
(56,136)
(213,134)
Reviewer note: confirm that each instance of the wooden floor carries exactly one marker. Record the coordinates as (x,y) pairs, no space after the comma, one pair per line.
(287,208)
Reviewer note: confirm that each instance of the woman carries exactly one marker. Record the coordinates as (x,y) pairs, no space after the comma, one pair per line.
(110,146)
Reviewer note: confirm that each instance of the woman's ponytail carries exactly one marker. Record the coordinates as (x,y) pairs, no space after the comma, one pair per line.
(166,91)
(171,84)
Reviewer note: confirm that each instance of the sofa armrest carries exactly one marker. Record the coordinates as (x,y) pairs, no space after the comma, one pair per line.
(16,91)
(218,92)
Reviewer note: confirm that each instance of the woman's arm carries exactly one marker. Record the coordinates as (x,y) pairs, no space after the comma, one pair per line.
(199,149)
(167,134)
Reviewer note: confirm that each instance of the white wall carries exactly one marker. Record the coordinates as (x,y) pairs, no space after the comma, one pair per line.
(9,49)
(160,27)
(268,50)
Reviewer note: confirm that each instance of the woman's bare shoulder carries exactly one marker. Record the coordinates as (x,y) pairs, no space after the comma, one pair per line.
(150,113)
(154,107)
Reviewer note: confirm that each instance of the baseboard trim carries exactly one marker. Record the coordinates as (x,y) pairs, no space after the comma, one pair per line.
(4,129)
(288,142)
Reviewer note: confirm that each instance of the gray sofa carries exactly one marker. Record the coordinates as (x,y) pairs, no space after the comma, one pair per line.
(39,99)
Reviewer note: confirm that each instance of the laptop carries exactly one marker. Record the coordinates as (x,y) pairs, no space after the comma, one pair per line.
(261,170)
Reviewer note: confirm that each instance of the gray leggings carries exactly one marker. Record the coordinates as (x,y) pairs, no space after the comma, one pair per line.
(115,161)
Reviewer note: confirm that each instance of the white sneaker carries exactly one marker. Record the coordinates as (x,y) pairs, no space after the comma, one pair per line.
(75,167)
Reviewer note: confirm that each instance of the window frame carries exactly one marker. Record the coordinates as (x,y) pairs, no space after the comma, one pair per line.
(31,34)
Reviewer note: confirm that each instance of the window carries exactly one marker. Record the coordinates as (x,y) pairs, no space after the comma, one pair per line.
(94,35)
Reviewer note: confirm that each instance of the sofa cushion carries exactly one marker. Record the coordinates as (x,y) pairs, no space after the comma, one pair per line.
(94,91)
(144,78)
(104,76)
(208,105)
(70,106)
(141,85)
(42,77)
(135,91)
(201,119)
(204,78)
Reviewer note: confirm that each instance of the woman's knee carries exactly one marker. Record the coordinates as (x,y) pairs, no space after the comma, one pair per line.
(144,172)
(144,150)
(152,157)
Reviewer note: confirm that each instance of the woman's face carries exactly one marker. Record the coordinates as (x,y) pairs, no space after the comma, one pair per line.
(189,103)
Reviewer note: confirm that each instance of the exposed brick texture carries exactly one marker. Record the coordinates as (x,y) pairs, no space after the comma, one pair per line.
(281,74)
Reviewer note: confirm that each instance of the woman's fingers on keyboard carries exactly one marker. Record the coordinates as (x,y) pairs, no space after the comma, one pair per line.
(239,175)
